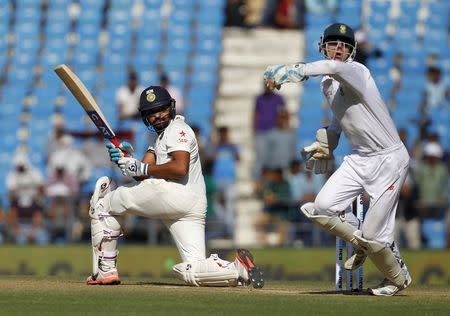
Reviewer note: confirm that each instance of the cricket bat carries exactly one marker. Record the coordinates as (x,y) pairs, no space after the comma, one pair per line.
(87,101)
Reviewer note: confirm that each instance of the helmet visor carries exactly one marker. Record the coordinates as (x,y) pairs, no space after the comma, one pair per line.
(338,50)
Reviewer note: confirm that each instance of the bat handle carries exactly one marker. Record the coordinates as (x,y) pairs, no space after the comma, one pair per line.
(116,142)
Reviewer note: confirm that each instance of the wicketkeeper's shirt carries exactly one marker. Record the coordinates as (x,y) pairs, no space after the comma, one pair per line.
(358,108)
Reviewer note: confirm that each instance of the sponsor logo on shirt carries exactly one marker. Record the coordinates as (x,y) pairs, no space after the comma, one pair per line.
(182,138)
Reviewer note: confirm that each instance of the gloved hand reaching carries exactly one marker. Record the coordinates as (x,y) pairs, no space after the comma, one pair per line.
(276,75)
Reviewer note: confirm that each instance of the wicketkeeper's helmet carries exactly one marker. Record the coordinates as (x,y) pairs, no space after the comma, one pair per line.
(156,99)
(338,32)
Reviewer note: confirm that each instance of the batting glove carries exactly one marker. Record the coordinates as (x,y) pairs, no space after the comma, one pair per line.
(115,153)
(276,75)
(132,167)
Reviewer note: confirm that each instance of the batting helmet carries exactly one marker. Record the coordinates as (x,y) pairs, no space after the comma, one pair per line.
(338,32)
(155,99)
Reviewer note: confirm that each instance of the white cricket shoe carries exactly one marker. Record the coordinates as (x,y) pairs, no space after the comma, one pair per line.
(387,288)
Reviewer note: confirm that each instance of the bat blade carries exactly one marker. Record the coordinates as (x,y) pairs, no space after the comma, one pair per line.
(87,101)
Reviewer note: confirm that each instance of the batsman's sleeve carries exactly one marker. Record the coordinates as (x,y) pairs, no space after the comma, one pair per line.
(351,73)
(180,138)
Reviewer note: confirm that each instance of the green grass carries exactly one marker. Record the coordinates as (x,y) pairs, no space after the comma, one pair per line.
(55,296)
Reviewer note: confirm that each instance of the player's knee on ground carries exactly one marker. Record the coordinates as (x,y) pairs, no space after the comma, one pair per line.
(212,271)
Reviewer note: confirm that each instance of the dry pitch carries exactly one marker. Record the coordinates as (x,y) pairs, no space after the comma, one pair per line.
(52,296)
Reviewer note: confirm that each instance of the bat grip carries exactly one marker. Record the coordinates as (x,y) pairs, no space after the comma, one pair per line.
(116,142)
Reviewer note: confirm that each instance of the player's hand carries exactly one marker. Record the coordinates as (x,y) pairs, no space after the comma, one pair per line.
(276,75)
(115,153)
(132,167)
(318,166)
(318,156)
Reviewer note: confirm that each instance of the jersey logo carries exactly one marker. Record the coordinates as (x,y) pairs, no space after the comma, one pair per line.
(391,188)
(182,134)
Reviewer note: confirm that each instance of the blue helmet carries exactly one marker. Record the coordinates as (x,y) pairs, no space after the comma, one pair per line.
(156,99)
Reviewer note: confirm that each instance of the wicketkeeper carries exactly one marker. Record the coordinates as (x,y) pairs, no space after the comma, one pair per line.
(170,187)
(378,163)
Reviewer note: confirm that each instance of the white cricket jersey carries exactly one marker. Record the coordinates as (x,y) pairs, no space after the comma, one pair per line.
(358,108)
(179,136)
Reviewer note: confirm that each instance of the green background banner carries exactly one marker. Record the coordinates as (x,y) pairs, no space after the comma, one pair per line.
(427,267)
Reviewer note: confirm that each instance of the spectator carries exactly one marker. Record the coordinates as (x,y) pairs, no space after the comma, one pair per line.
(213,226)
(304,185)
(54,140)
(174,92)
(225,155)
(431,177)
(284,14)
(236,13)
(365,50)
(3,219)
(432,181)
(267,105)
(61,190)
(72,158)
(25,185)
(93,149)
(321,7)
(127,98)
(289,14)
(201,143)
(282,142)
(407,217)
(273,224)
(437,91)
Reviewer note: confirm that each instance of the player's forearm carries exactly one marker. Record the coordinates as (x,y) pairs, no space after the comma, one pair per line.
(171,170)
(324,67)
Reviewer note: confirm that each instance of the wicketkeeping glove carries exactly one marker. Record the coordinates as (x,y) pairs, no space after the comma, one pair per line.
(132,167)
(276,75)
(115,153)
(318,156)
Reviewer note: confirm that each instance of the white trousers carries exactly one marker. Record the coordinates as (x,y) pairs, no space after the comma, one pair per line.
(181,210)
(381,176)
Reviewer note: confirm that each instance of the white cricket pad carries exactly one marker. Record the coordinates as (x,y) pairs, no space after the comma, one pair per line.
(104,234)
(383,258)
(212,271)
(334,224)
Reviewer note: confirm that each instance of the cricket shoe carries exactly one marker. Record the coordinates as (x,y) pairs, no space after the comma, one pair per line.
(355,261)
(249,273)
(110,277)
(387,288)
(102,187)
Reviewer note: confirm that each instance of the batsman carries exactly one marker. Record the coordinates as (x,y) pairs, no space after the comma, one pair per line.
(377,164)
(170,187)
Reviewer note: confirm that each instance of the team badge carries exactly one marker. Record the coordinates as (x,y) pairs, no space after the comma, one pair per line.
(342,29)
(150,96)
